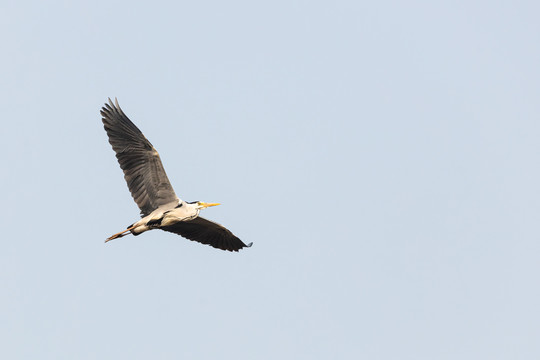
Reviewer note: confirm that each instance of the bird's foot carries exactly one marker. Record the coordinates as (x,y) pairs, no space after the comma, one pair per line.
(121,234)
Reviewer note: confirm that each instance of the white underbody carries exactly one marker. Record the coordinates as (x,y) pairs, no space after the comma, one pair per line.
(168,214)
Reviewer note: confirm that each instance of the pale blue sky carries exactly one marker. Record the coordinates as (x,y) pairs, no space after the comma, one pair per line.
(382,156)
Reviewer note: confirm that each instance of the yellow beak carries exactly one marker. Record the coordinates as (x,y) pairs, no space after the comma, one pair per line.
(206,205)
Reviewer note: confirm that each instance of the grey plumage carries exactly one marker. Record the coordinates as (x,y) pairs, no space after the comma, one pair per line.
(207,232)
(143,170)
(152,191)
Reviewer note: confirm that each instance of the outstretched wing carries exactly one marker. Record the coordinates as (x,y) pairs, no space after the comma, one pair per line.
(143,170)
(207,232)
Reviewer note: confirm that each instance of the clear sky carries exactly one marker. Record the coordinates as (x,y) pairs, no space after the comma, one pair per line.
(383,156)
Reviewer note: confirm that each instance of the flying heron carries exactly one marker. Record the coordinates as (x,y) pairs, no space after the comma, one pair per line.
(152,191)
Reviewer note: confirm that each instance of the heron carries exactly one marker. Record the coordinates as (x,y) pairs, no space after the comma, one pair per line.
(153,193)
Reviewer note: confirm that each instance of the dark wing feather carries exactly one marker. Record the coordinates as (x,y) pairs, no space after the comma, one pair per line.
(143,170)
(207,232)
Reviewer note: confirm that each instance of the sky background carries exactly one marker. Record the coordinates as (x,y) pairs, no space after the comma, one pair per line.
(382,156)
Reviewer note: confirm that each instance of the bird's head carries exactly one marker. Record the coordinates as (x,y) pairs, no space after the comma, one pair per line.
(199,205)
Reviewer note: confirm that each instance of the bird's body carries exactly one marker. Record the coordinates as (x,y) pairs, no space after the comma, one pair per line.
(164,216)
(152,191)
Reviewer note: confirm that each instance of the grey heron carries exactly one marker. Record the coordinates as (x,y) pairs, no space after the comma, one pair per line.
(152,191)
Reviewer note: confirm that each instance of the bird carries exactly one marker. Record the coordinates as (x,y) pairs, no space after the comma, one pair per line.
(149,185)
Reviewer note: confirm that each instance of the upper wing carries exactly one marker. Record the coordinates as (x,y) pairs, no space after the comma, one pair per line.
(143,171)
(207,232)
